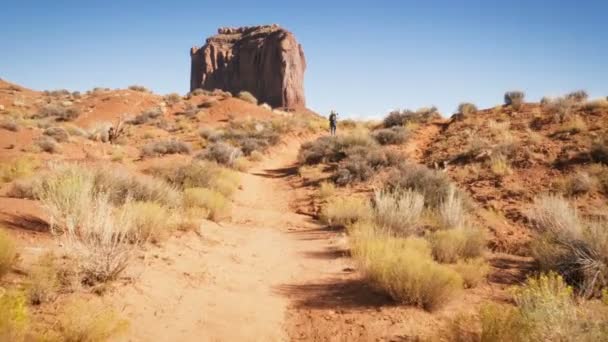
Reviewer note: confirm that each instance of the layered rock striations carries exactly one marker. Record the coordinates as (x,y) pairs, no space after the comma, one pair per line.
(266,61)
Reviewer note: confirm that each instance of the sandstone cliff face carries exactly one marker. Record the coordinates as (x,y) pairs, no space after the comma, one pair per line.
(266,61)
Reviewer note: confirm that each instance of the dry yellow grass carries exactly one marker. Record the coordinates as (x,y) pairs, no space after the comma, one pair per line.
(17,168)
(458,243)
(14,317)
(8,253)
(150,221)
(216,204)
(403,267)
(342,211)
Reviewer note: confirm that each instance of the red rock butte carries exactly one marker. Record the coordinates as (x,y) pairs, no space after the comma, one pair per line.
(266,61)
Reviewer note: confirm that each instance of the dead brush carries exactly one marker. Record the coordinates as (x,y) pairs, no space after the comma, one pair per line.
(399,211)
(572,246)
(514,98)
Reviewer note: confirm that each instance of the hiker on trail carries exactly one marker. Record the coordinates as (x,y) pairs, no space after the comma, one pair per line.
(333,122)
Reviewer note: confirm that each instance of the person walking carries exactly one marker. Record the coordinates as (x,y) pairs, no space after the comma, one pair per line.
(333,122)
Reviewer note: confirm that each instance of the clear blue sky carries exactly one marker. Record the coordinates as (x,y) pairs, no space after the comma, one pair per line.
(364,58)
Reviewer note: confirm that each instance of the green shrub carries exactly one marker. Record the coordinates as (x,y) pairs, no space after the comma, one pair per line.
(14,318)
(399,211)
(460,243)
(8,253)
(216,205)
(514,98)
(404,269)
(248,97)
(343,211)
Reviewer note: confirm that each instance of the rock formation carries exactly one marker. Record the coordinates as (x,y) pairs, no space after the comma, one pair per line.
(266,61)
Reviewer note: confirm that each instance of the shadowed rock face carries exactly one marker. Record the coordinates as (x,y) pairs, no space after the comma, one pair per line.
(266,61)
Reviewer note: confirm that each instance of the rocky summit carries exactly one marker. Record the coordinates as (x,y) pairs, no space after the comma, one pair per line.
(266,61)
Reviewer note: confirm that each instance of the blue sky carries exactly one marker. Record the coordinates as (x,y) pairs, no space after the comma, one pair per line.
(364,57)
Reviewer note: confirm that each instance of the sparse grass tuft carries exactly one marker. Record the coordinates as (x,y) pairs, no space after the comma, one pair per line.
(403,268)
(220,153)
(57,133)
(571,245)
(434,185)
(8,253)
(451,245)
(60,113)
(408,117)
(44,282)
(17,168)
(499,165)
(343,211)
(579,183)
(163,147)
(391,136)
(86,321)
(216,205)
(146,116)
(399,211)
(599,150)
(578,96)
(326,190)
(545,311)
(515,99)
(452,209)
(48,144)
(140,88)
(9,125)
(574,125)
(172,98)
(473,271)
(467,108)
(151,221)
(14,317)
(247,96)
(199,174)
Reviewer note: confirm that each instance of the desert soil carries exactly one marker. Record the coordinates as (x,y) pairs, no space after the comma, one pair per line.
(236,281)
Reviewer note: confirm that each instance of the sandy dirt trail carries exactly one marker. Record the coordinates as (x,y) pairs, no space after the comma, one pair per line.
(233,281)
